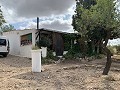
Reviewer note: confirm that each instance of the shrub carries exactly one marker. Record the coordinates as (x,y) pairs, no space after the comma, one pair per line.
(44,42)
(50,55)
(35,47)
(73,53)
(112,49)
(47,61)
(118,48)
(99,56)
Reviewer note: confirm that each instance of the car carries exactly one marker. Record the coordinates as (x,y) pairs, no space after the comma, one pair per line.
(4,46)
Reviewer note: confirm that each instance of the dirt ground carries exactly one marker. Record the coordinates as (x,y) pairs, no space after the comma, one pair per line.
(15,74)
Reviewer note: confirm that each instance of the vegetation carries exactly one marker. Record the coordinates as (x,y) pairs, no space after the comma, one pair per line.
(7,28)
(118,49)
(50,58)
(97,21)
(35,48)
(114,49)
(69,41)
(4,28)
(43,42)
(2,20)
(73,52)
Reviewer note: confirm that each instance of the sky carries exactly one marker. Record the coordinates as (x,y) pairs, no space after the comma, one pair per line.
(53,14)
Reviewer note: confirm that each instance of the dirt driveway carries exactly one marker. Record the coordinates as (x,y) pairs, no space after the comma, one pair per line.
(15,74)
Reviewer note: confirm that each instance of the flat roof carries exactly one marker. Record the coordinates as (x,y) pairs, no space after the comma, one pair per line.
(57,31)
(44,29)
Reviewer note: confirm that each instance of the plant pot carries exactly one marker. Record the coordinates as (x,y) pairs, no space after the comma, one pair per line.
(36,60)
(44,51)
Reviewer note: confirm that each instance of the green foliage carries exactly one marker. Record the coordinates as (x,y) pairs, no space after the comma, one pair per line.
(7,28)
(47,61)
(50,55)
(70,54)
(50,58)
(99,56)
(73,52)
(112,49)
(118,49)
(44,42)
(103,15)
(35,48)
(2,20)
(69,40)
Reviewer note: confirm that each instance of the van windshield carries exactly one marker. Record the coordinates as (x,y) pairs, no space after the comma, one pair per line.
(3,42)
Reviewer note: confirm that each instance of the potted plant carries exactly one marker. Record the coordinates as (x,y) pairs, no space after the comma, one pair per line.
(36,59)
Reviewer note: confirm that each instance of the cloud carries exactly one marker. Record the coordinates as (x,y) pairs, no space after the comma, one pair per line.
(56,24)
(53,14)
(34,8)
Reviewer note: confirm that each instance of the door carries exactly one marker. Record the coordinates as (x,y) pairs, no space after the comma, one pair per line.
(58,44)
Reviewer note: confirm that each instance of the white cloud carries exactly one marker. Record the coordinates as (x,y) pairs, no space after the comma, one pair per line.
(55,24)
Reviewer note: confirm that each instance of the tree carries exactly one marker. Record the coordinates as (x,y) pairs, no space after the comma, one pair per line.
(2,20)
(6,28)
(98,23)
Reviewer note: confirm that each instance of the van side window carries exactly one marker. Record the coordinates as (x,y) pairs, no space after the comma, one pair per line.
(3,42)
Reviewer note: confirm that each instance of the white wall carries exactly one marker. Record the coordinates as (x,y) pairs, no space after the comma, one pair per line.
(14,39)
(25,51)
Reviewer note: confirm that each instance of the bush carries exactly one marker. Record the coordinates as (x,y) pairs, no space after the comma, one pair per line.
(44,42)
(35,48)
(50,55)
(112,49)
(118,48)
(99,56)
(73,53)
(47,61)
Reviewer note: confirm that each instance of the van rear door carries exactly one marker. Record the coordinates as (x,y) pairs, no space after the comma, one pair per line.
(3,45)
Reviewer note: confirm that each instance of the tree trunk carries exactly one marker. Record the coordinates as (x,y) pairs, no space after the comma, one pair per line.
(109,54)
(109,61)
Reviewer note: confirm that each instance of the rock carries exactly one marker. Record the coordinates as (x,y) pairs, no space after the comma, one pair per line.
(16,86)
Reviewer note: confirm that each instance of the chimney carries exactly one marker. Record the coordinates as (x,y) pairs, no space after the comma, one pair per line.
(37,23)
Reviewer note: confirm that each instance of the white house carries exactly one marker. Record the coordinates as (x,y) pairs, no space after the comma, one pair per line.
(21,42)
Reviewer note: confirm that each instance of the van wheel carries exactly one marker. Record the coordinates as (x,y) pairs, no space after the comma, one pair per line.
(4,55)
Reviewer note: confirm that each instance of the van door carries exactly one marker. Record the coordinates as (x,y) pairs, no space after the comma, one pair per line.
(3,45)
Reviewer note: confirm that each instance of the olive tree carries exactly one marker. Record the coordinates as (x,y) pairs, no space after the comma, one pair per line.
(98,23)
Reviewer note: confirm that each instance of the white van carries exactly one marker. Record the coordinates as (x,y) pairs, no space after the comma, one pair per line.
(4,46)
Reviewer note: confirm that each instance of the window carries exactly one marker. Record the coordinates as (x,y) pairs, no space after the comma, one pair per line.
(26,39)
(3,42)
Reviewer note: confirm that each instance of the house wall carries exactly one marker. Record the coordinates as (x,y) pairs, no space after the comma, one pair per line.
(15,41)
